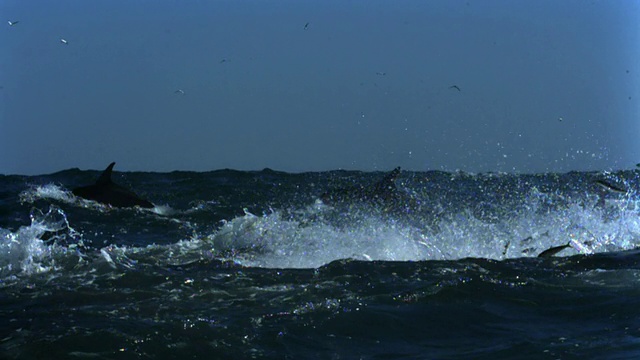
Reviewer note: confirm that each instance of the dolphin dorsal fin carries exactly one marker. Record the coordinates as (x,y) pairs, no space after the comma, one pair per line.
(387,184)
(105,178)
(393,175)
(389,180)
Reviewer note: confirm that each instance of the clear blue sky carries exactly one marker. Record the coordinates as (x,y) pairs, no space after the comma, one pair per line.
(545,85)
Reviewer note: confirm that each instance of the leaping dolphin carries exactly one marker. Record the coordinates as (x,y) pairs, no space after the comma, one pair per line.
(605,187)
(554,250)
(107,192)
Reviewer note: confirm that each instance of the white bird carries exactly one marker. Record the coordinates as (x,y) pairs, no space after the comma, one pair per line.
(64,41)
(11,23)
(179,91)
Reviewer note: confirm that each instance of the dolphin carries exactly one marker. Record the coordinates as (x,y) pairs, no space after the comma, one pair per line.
(554,250)
(385,199)
(107,192)
(605,187)
(383,191)
(610,187)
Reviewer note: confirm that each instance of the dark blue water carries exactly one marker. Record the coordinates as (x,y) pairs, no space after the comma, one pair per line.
(240,265)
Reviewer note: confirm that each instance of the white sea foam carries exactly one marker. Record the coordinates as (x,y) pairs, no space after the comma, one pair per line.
(23,252)
(308,239)
(276,242)
(48,191)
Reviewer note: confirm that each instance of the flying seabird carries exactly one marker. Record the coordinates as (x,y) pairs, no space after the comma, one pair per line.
(454,87)
(179,91)
(11,23)
(64,41)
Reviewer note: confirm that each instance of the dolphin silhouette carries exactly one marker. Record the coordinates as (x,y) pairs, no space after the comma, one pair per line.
(384,191)
(384,198)
(554,250)
(605,187)
(107,192)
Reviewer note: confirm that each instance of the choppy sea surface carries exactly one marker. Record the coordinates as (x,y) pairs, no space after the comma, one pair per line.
(237,265)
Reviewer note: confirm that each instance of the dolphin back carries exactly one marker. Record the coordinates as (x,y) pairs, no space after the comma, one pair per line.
(107,192)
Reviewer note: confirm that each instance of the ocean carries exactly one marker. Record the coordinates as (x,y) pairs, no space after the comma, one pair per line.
(254,264)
